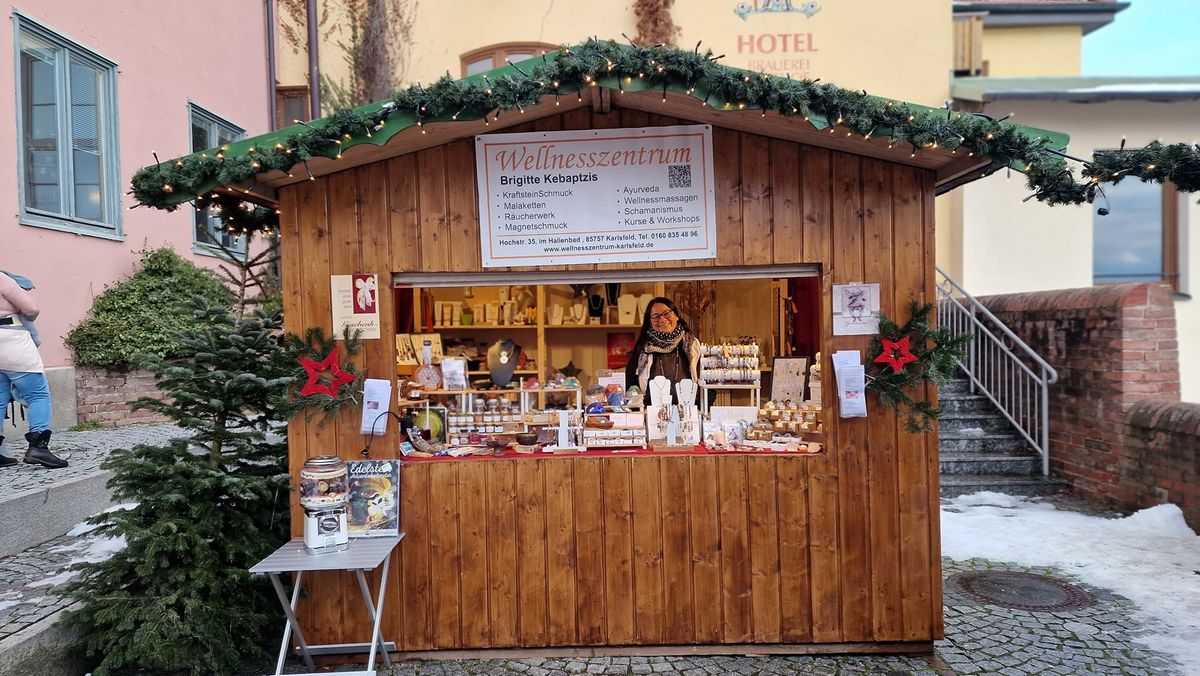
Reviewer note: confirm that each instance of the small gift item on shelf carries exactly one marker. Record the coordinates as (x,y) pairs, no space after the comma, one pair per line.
(633,397)
(427,374)
(454,373)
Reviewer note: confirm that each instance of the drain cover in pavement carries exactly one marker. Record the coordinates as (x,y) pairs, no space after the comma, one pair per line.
(1021,591)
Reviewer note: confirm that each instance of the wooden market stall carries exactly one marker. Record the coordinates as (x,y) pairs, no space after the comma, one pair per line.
(837,551)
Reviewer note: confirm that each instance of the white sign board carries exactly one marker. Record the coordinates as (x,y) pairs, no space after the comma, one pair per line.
(355,303)
(596,196)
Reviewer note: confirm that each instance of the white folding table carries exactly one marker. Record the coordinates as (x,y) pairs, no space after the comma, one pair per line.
(363,554)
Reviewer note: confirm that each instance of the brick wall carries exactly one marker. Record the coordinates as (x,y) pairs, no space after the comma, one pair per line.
(1161,462)
(102,396)
(1114,348)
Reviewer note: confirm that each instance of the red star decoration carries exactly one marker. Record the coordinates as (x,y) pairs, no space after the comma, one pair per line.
(315,369)
(896,354)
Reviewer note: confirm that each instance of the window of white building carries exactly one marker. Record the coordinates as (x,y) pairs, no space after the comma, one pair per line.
(487,58)
(1138,241)
(211,131)
(69,173)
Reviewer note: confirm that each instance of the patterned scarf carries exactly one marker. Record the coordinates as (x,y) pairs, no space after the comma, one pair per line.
(660,342)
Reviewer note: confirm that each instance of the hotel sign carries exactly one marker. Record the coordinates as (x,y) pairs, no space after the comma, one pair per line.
(596,196)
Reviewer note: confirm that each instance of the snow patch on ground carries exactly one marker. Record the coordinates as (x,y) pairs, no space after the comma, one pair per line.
(1151,558)
(84,527)
(54,580)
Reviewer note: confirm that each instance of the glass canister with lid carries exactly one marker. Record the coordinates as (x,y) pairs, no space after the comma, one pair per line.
(324,492)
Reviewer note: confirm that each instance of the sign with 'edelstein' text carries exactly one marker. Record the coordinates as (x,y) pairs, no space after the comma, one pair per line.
(596,196)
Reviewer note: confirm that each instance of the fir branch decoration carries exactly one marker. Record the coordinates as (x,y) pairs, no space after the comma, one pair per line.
(618,66)
(314,345)
(935,352)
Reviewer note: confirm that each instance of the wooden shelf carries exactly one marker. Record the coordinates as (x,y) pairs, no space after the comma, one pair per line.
(593,326)
(483,327)
(518,372)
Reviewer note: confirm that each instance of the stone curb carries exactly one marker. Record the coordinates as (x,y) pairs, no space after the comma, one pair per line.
(40,514)
(41,649)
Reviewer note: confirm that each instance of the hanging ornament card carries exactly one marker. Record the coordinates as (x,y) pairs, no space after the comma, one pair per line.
(855,309)
(355,303)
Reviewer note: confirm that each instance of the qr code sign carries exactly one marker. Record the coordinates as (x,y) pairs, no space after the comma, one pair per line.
(679,175)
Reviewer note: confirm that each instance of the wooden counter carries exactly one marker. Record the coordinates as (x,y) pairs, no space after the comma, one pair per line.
(635,550)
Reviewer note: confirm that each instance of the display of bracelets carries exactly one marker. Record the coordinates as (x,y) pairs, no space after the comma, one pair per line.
(731,361)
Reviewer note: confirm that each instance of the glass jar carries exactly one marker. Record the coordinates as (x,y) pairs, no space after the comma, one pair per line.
(323,482)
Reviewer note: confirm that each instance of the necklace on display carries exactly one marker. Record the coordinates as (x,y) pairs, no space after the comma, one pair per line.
(660,391)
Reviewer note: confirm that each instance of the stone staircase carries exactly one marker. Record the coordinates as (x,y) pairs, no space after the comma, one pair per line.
(980,451)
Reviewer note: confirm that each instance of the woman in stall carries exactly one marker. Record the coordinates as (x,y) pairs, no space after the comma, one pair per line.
(666,347)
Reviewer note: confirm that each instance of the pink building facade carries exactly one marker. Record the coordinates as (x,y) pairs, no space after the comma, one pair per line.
(96,89)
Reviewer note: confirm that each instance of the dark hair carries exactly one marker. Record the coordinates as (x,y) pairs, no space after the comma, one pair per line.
(644,335)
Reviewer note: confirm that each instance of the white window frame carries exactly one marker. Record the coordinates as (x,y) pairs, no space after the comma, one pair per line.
(112,227)
(216,229)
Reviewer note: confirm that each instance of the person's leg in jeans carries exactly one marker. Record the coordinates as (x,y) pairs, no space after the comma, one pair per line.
(35,390)
(5,397)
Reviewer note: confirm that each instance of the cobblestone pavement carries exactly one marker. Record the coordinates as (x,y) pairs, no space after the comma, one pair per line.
(30,580)
(980,639)
(84,450)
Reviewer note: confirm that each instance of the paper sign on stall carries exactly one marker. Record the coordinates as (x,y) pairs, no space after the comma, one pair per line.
(377,395)
(355,303)
(851,380)
(855,309)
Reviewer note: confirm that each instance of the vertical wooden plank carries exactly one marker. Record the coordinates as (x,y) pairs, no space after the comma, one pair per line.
(344,244)
(931,439)
(735,551)
(432,215)
(589,552)
(502,552)
(616,478)
(757,223)
(313,224)
(816,180)
(462,206)
(887,621)
(764,549)
(825,581)
(322,606)
(794,577)
(379,356)
(445,577)
(414,555)
(648,552)
(677,551)
(473,554)
(854,537)
(726,165)
(913,479)
(404,213)
(787,205)
(706,549)
(290,254)
(560,551)
(531,552)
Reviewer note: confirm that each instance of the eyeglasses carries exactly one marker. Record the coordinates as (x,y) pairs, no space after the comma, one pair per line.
(661,317)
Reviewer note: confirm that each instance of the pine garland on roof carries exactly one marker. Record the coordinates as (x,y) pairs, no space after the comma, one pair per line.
(207,178)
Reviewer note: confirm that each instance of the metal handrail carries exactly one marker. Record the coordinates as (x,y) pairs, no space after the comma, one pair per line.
(1000,365)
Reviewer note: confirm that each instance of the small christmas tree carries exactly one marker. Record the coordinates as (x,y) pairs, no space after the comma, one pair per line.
(178,598)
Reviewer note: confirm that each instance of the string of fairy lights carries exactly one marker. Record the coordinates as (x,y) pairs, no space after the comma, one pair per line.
(207,179)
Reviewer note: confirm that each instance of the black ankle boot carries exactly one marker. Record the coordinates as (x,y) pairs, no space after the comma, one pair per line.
(6,461)
(39,451)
